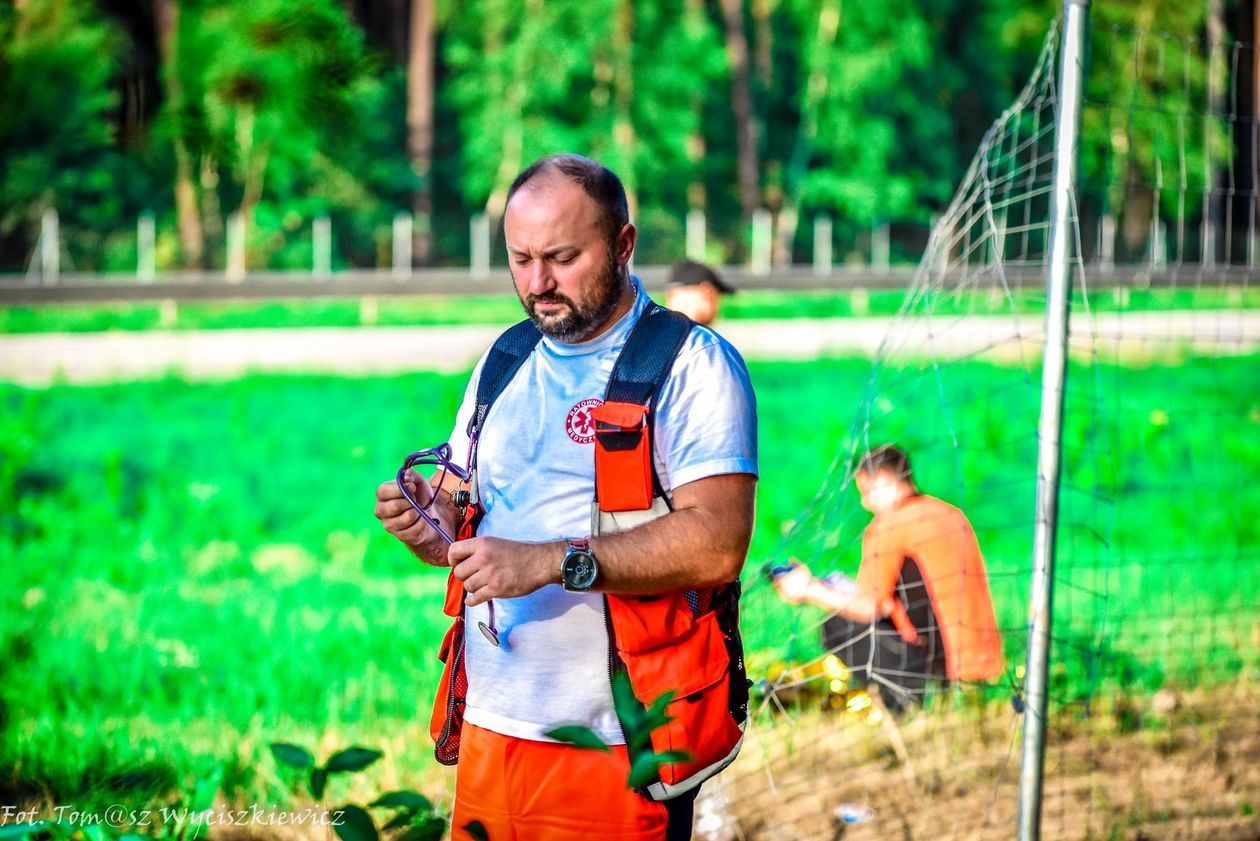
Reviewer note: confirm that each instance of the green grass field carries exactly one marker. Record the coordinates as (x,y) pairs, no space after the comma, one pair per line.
(193,570)
(504,309)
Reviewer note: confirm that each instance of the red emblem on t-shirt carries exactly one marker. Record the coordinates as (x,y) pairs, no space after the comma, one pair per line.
(579,424)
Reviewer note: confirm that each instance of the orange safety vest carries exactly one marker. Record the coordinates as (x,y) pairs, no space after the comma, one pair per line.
(687,641)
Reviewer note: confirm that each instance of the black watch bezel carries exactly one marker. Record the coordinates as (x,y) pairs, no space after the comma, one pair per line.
(579,570)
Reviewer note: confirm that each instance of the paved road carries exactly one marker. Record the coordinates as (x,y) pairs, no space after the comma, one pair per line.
(39,359)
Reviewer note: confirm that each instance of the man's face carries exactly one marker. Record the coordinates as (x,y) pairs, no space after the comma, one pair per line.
(880,491)
(569,278)
(698,301)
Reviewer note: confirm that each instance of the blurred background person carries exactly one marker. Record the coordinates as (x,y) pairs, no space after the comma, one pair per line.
(695,290)
(920,607)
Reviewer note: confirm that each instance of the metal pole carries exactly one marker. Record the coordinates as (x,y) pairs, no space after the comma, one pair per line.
(1049,454)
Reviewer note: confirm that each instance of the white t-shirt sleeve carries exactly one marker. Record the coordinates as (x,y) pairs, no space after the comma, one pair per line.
(706,422)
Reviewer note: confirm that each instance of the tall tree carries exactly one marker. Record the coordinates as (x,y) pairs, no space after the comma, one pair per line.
(187,213)
(746,128)
(623,87)
(59,62)
(420,103)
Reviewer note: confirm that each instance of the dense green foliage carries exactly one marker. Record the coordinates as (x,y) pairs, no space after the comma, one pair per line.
(193,571)
(283,111)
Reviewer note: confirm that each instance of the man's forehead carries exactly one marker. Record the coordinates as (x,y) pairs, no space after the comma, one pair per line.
(552,201)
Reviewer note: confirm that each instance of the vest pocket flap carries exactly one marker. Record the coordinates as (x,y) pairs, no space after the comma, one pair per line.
(645,623)
(690,665)
(621,415)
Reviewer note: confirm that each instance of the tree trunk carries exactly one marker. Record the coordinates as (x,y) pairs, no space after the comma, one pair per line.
(514,96)
(746,132)
(623,84)
(1217,82)
(1255,131)
(253,157)
(816,85)
(420,93)
(697,196)
(763,37)
(192,238)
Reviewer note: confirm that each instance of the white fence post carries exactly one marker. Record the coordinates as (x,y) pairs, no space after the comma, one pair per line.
(479,236)
(1107,242)
(321,247)
(696,234)
(822,244)
(881,248)
(50,246)
(402,246)
(759,258)
(236,248)
(146,234)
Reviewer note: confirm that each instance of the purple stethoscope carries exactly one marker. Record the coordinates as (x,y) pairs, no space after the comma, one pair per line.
(440,457)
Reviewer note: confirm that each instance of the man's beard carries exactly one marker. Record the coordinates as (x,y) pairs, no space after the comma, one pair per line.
(580,320)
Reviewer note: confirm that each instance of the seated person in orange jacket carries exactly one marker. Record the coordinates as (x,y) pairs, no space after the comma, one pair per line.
(920,607)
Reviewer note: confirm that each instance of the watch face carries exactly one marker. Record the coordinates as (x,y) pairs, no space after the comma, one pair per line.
(579,570)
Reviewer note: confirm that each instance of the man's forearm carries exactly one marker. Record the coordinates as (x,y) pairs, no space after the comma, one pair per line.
(700,545)
(855,605)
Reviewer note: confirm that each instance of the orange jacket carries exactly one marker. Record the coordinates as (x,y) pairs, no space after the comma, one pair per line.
(940,540)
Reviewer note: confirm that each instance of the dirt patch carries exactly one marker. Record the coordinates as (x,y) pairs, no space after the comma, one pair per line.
(1138,770)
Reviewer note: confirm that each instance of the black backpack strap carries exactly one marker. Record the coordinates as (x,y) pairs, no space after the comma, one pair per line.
(645,363)
(648,356)
(506,356)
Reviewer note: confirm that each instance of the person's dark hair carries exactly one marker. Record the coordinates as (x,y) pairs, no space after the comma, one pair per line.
(596,180)
(885,457)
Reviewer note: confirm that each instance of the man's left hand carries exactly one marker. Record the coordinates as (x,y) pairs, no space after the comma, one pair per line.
(494,568)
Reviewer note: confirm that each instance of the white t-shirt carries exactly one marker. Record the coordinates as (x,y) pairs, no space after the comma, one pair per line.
(536,474)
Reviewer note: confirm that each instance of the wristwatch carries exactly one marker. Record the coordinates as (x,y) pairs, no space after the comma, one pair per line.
(579,569)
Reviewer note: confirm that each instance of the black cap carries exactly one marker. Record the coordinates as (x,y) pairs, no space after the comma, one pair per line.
(691,273)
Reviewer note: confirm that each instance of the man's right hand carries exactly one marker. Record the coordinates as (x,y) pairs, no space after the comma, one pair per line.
(406,524)
(794,586)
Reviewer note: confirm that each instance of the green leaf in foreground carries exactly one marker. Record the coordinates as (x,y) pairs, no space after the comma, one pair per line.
(477,831)
(22,830)
(404,799)
(353,823)
(351,759)
(579,737)
(431,830)
(292,755)
(319,782)
(643,769)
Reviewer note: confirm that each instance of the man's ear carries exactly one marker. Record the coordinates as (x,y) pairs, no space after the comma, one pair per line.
(624,244)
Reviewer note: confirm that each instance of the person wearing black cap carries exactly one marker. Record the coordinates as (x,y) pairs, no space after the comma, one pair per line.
(693,289)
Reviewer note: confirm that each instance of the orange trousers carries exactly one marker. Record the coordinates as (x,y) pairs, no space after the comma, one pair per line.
(522,790)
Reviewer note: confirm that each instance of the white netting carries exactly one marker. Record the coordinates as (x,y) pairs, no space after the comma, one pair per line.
(1159,440)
